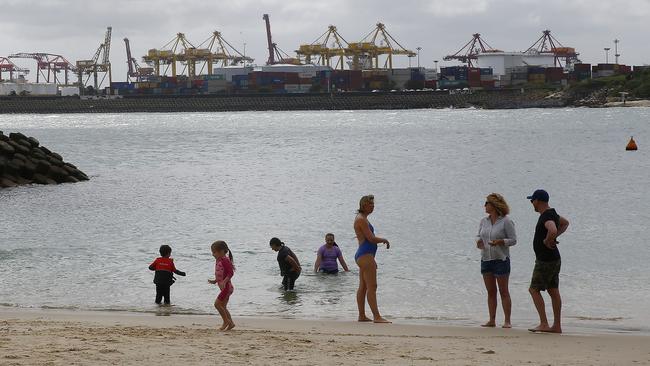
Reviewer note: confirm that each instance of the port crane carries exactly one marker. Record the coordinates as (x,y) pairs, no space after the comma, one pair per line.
(547,44)
(221,52)
(365,53)
(276,55)
(135,71)
(6,65)
(49,66)
(323,53)
(179,49)
(470,50)
(99,64)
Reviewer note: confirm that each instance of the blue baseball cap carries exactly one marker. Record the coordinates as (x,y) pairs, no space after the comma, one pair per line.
(540,195)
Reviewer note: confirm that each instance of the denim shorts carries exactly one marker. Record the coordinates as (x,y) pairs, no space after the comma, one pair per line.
(496,267)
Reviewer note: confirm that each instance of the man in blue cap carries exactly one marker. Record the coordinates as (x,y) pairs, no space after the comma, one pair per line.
(545,277)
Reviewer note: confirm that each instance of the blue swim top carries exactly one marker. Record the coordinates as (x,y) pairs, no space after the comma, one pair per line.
(366,247)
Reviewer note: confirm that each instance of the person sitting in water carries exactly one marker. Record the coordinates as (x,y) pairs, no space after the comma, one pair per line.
(327,256)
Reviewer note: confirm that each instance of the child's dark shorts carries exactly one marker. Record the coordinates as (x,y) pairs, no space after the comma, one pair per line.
(546,275)
(496,267)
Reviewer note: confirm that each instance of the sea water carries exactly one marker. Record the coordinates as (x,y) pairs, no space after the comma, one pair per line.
(188,179)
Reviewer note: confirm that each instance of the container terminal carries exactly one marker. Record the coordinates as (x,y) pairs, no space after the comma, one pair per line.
(330,64)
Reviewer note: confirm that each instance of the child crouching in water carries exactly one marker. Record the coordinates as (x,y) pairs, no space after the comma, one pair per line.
(223,272)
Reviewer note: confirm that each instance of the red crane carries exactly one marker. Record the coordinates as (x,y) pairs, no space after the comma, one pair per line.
(471,50)
(276,55)
(548,44)
(6,65)
(51,63)
(135,71)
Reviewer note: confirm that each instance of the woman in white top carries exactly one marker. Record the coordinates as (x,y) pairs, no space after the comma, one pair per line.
(496,234)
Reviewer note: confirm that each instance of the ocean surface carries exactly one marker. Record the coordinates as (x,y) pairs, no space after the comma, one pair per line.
(192,178)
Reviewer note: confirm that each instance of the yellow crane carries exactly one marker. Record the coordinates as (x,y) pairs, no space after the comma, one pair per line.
(220,52)
(179,49)
(325,54)
(365,53)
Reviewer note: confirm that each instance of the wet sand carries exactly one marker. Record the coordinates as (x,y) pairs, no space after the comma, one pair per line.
(56,337)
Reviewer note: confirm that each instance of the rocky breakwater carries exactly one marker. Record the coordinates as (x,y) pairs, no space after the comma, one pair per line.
(24,161)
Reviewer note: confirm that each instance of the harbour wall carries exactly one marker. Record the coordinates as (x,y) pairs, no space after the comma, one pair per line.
(489,99)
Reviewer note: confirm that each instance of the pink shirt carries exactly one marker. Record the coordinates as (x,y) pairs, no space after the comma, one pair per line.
(223,269)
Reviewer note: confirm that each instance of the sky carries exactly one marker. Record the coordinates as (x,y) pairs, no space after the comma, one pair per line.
(75,28)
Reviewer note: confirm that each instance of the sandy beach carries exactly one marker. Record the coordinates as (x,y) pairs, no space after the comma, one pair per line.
(55,337)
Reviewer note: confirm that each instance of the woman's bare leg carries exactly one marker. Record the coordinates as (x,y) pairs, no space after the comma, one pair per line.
(361,297)
(369,268)
(506,302)
(491,287)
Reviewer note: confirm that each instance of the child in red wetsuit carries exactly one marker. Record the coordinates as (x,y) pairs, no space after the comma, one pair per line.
(223,272)
(164,278)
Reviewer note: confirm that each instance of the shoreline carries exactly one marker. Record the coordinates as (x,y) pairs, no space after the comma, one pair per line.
(69,337)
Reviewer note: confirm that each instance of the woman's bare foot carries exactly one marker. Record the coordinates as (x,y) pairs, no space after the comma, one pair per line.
(230,326)
(489,325)
(553,330)
(364,319)
(224,326)
(540,328)
(506,325)
(381,321)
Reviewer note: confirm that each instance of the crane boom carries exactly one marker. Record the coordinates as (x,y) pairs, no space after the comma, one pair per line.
(129,59)
(269,40)
(107,46)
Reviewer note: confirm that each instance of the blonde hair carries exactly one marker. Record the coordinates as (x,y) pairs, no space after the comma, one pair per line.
(365,200)
(499,203)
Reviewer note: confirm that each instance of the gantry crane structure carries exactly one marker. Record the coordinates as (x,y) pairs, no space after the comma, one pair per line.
(324,51)
(366,53)
(276,55)
(179,49)
(547,44)
(97,65)
(49,66)
(469,52)
(135,71)
(6,65)
(220,52)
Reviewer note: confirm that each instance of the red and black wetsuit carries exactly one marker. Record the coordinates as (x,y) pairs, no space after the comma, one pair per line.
(164,278)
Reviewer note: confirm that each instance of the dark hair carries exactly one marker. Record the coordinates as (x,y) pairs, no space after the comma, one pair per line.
(332,235)
(276,242)
(222,246)
(165,250)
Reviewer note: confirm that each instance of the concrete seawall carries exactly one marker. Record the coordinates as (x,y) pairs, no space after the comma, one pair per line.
(501,99)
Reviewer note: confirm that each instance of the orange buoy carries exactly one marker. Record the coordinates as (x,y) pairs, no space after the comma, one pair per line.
(631,146)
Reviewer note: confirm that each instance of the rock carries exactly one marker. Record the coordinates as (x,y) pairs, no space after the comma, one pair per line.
(41,179)
(17,136)
(18,147)
(29,169)
(57,156)
(25,143)
(71,179)
(20,156)
(7,148)
(14,166)
(71,165)
(58,174)
(54,161)
(7,183)
(21,180)
(3,137)
(33,141)
(43,167)
(46,150)
(37,153)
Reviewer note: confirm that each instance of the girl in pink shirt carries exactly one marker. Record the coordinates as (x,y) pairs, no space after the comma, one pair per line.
(223,272)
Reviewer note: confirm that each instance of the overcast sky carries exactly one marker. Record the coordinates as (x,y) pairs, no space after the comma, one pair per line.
(75,28)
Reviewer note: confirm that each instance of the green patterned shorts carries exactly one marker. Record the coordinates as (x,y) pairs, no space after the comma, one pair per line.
(546,275)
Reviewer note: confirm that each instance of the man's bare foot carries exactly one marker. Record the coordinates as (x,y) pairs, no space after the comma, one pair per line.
(557,330)
(540,328)
(224,326)
(506,326)
(381,321)
(364,319)
(489,325)
(230,326)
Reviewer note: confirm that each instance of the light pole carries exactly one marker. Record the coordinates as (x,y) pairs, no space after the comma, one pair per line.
(616,54)
(418,48)
(244,54)
(607,54)
(435,62)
